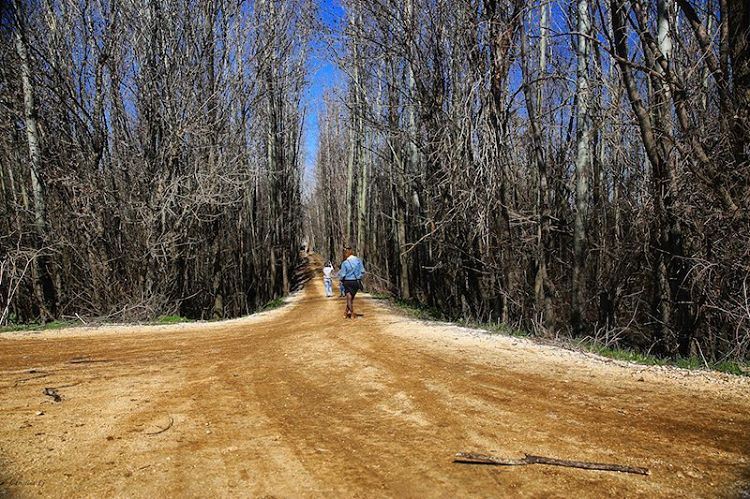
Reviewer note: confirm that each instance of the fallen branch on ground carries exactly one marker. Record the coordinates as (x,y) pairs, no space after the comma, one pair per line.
(471,458)
(171,422)
(86,361)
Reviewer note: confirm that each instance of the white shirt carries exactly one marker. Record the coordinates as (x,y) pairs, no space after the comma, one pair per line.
(327,272)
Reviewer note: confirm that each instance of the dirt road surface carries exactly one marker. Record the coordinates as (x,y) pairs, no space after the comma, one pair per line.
(299,402)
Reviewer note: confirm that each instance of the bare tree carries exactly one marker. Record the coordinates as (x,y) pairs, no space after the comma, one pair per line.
(514,180)
(583,161)
(148,142)
(42,281)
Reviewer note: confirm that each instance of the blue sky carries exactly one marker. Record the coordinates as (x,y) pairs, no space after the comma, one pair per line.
(323,74)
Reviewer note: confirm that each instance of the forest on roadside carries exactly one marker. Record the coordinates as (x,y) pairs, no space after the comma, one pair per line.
(571,167)
(149,156)
(555,166)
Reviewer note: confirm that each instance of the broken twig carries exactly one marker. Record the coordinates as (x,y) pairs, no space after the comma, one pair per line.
(171,422)
(472,458)
(85,361)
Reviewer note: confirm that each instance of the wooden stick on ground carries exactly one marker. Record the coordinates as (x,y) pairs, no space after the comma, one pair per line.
(86,361)
(162,430)
(472,458)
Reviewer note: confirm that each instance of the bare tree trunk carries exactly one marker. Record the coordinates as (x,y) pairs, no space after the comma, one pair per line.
(362,207)
(671,277)
(504,25)
(359,109)
(411,84)
(670,232)
(400,187)
(542,285)
(582,165)
(43,285)
(543,42)
(739,41)
(350,169)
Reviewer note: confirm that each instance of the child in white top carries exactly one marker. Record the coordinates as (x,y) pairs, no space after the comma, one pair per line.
(328,278)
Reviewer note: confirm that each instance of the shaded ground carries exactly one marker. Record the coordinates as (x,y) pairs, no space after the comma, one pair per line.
(300,402)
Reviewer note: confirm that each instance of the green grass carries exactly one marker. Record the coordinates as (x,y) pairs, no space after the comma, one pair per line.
(731,367)
(693,363)
(36,326)
(377,295)
(275,303)
(418,310)
(624,354)
(170,319)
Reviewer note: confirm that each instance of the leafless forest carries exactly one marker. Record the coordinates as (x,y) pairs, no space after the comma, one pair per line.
(577,167)
(149,156)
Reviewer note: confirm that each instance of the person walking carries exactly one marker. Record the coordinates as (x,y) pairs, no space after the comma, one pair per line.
(351,273)
(328,278)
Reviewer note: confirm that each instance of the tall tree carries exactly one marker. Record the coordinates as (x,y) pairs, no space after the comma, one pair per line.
(43,285)
(583,162)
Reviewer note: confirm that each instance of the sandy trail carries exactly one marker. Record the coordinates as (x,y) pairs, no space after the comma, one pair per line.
(300,402)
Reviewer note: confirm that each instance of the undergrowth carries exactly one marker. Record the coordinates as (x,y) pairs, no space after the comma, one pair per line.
(170,319)
(693,362)
(275,303)
(160,320)
(36,326)
(419,310)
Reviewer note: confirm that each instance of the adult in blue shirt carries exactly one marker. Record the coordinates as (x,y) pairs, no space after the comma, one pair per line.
(350,274)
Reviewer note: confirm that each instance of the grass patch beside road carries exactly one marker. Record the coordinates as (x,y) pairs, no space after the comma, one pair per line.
(423,312)
(275,303)
(693,363)
(171,319)
(37,326)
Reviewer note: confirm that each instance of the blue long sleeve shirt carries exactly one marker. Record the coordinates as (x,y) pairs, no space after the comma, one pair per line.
(351,269)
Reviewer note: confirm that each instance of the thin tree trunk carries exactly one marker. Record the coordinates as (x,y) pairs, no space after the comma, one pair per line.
(739,41)
(43,286)
(542,286)
(359,107)
(350,168)
(582,164)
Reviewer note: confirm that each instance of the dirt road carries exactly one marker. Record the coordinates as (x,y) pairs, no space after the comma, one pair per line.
(300,402)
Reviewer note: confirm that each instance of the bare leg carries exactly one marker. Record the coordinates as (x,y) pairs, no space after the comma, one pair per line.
(349,305)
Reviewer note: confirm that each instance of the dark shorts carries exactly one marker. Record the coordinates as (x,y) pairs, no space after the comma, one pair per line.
(351,287)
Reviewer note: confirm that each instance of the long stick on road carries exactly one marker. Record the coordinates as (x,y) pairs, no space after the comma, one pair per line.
(471,458)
